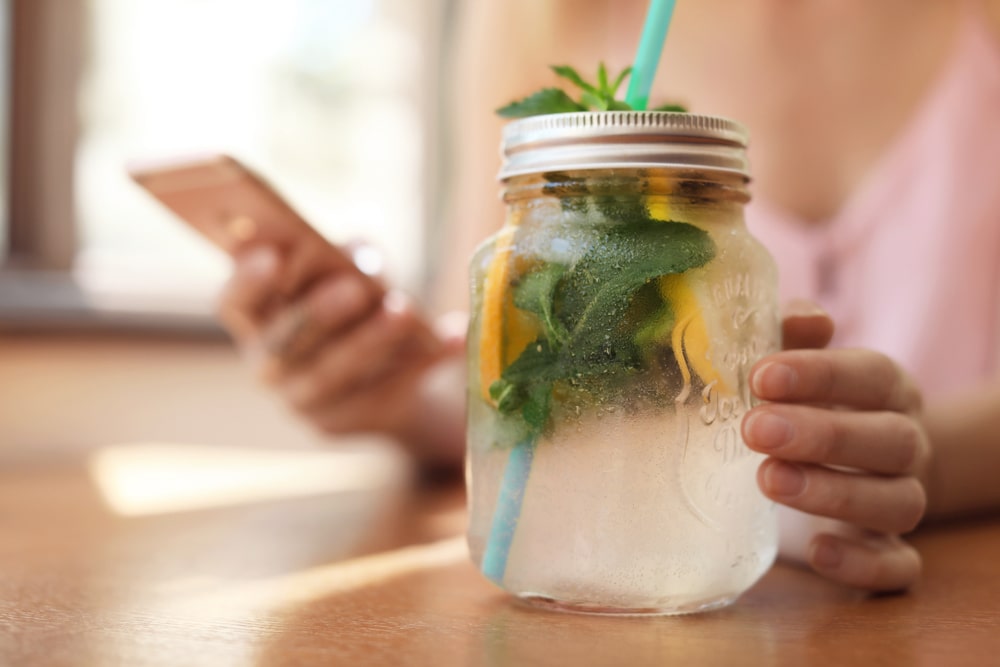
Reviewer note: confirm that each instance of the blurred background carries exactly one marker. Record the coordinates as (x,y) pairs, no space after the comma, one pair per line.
(106,333)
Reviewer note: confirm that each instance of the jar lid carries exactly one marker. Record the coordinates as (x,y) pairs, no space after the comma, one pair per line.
(623,139)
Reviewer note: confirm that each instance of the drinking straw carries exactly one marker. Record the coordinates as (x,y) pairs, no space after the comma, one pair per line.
(508,509)
(654,34)
(518,467)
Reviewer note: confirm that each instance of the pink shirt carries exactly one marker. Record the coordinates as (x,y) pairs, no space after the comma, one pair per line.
(910,266)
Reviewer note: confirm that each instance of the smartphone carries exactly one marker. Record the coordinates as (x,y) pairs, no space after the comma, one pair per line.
(224,201)
(234,208)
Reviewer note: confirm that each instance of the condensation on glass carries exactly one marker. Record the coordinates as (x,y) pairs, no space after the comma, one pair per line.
(615,318)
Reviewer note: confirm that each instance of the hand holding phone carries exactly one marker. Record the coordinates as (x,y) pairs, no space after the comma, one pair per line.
(329,338)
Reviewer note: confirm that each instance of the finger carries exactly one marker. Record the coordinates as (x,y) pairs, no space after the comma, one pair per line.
(880,563)
(883,504)
(797,529)
(366,257)
(313,260)
(451,328)
(857,378)
(426,340)
(330,308)
(249,290)
(364,352)
(805,325)
(378,405)
(887,443)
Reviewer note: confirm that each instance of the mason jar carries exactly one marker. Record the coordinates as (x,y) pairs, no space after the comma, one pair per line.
(615,318)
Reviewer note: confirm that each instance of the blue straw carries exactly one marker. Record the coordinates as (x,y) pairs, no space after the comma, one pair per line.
(654,34)
(508,510)
(518,467)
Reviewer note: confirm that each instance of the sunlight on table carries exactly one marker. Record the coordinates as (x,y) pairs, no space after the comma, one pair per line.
(161,478)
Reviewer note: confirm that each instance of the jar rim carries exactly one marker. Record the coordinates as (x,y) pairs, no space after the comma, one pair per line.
(623,139)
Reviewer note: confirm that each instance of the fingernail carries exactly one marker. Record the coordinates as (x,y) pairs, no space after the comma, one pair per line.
(768,431)
(827,555)
(784,479)
(396,301)
(452,325)
(259,262)
(347,296)
(774,381)
(368,259)
(803,308)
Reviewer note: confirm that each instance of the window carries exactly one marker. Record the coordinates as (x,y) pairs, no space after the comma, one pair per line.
(5,55)
(331,100)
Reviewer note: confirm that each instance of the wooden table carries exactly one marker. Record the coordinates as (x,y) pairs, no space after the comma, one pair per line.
(378,575)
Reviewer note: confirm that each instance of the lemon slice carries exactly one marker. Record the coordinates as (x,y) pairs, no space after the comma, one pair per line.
(691,335)
(690,338)
(504,330)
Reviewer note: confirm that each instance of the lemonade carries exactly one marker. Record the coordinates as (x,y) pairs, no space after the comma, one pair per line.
(622,514)
(615,320)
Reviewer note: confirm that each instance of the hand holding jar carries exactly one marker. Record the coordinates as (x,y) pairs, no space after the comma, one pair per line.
(843,435)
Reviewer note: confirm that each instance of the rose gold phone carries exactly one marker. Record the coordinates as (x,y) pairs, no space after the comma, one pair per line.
(234,208)
(223,200)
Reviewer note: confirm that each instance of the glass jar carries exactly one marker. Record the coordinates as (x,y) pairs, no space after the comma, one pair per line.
(615,318)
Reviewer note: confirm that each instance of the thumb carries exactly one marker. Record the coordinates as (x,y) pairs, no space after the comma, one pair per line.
(244,298)
(451,329)
(805,325)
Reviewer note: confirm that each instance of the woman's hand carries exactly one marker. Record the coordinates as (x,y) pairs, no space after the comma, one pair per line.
(844,442)
(341,353)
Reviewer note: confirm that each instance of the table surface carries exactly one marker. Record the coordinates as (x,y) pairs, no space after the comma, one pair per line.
(376,573)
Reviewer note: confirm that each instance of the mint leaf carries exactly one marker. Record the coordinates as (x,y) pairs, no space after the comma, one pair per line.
(506,395)
(594,98)
(596,294)
(535,294)
(602,79)
(651,318)
(594,102)
(546,101)
(623,209)
(570,74)
(676,108)
(625,73)
(594,312)
(601,98)
(538,363)
(537,406)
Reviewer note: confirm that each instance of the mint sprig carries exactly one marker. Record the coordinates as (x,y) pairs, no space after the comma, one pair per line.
(601,96)
(583,313)
(545,101)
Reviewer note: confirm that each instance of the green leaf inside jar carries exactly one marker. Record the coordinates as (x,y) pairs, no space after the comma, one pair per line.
(598,317)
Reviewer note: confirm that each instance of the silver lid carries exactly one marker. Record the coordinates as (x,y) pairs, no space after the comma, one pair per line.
(623,139)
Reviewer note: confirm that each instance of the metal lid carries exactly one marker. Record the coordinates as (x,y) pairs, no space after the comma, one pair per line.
(623,139)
